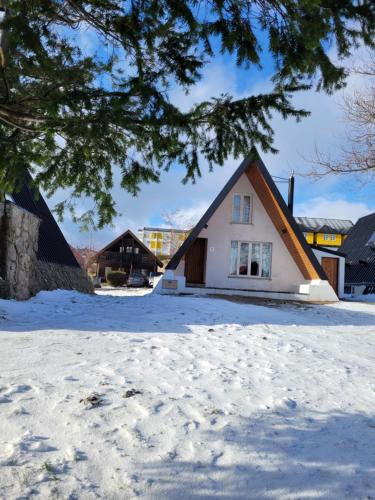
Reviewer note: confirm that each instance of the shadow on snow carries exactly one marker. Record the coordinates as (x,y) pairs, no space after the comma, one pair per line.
(279,455)
(161,314)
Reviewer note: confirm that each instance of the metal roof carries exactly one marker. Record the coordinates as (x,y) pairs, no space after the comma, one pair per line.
(360,256)
(252,161)
(318,225)
(52,246)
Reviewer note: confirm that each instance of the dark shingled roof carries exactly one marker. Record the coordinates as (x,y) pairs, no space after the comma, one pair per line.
(252,159)
(360,256)
(52,246)
(330,226)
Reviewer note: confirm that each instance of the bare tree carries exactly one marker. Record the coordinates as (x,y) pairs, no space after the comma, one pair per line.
(357,156)
(178,220)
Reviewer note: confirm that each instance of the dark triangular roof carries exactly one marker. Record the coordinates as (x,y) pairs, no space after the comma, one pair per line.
(132,235)
(360,256)
(253,161)
(52,245)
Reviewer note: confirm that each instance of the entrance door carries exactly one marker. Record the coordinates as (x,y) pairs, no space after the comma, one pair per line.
(330,266)
(195,260)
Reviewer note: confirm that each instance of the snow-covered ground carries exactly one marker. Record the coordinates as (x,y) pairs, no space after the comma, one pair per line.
(237,401)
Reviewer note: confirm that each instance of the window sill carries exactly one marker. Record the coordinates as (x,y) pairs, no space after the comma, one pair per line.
(249,277)
(241,223)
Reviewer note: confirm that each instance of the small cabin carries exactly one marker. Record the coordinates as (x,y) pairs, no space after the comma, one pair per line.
(126,253)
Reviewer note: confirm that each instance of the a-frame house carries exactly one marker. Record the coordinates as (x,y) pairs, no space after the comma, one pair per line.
(125,253)
(248,243)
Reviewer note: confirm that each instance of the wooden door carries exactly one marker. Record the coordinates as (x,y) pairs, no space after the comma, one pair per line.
(330,266)
(195,260)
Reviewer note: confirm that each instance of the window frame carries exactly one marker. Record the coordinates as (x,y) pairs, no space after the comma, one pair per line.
(333,237)
(250,250)
(242,196)
(326,236)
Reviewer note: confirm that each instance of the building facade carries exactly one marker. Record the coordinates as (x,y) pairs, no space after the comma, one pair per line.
(163,242)
(127,254)
(329,233)
(247,243)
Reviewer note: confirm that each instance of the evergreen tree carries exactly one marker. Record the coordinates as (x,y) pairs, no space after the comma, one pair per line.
(70,115)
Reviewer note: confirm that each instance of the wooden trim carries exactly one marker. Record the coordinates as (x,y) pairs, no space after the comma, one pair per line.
(281,223)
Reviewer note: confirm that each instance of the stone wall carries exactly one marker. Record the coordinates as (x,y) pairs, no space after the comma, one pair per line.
(23,274)
(20,245)
(51,276)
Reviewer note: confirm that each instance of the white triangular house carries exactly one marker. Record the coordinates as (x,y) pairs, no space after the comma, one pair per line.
(247,243)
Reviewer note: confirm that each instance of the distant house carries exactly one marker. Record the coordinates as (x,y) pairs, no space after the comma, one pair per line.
(324,232)
(359,248)
(248,243)
(163,242)
(83,255)
(126,253)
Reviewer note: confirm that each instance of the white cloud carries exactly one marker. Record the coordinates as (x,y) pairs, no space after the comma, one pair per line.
(333,209)
(296,142)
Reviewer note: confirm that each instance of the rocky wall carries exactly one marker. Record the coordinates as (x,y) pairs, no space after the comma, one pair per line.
(20,243)
(23,275)
(51,276)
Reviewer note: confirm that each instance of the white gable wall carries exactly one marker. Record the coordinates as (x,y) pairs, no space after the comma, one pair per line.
(285,275)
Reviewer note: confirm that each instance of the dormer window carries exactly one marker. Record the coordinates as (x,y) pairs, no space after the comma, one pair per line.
(241,210)
(371,241)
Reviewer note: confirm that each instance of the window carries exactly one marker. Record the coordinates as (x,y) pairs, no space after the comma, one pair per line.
(136,250)
(266,260)
(236,215)
(333,237)
(250,259)
(233,258)
(241,210)
(244,259)
(371,241)
(129,249)
(326,237)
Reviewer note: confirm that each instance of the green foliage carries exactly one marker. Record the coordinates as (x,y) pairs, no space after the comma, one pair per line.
(71,111)
(116,278)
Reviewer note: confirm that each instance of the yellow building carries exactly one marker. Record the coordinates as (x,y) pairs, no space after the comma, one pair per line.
(324,232)
(163,242)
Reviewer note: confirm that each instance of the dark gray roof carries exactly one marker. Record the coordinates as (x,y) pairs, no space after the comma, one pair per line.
(360,257)
(252,160)
(318,225)
(52,246)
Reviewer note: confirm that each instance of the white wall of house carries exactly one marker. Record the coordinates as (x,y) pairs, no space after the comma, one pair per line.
(286,279)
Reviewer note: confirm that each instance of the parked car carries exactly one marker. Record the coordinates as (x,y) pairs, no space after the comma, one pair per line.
(137,280)
(151,278)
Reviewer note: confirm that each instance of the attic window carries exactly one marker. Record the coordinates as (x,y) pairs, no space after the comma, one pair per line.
(241,209)
(371,241)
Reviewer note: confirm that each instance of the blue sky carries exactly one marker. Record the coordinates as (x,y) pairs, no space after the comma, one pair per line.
(324,129)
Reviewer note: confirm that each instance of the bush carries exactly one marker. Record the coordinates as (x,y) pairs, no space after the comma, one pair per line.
(116,278)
